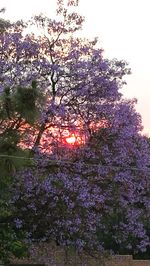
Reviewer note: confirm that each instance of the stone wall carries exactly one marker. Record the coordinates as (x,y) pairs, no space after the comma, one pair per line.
(141,263)
(52,255)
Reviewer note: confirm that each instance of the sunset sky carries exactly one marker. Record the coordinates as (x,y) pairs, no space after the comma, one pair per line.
(123,30)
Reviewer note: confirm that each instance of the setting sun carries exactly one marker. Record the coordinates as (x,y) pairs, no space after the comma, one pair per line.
(71,140)
(74,139)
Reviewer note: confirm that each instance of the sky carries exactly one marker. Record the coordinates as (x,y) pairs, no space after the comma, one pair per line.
(122,27)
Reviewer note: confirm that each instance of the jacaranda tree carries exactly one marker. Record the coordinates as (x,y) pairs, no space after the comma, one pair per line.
(92,195)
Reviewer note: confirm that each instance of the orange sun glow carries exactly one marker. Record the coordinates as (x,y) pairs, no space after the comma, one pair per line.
(71,140)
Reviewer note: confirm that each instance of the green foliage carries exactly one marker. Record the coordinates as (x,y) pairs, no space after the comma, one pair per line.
(24,101)
(11,243)
(18,106)
(11,240)
(4,24)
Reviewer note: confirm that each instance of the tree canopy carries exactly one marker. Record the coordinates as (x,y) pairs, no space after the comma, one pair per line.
(91,194)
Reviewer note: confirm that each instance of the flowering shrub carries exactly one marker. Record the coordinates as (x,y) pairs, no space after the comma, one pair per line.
(92,202)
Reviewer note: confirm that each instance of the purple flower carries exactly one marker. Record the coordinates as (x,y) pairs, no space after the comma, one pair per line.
(18,223)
